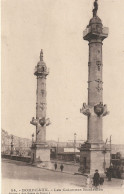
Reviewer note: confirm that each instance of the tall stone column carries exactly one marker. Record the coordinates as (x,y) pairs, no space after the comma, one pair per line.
(40,151)
(95,97)
(94,155)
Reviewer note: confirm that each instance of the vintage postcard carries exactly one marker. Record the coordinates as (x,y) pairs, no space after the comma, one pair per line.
(62,96)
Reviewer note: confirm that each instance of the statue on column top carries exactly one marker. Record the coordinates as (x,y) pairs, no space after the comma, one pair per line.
(41,55)
(95,8)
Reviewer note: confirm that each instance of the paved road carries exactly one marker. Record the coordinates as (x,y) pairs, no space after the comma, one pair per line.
(21,170)
(20,175)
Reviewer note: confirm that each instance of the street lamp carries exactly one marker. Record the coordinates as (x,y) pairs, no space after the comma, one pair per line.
(110,143)
(32,139)
(12,144)
(110,149)
(104,152)
(75,147)
(57,150)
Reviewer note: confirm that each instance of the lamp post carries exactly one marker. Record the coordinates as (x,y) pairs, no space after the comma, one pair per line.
(12,144)
(104,152)
(32,139)
(110,149)
(75,147)
(57,149)
(110,143)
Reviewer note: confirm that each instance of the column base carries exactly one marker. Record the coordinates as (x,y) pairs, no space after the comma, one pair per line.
(40,154)
(94,156)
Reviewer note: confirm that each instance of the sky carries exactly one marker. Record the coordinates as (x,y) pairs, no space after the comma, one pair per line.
(56,26)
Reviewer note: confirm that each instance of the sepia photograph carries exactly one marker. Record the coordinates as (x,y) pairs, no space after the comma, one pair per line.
(62,96)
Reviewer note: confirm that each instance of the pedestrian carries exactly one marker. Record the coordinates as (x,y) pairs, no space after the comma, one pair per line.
(118,172)
(109,173)
(106,172)
(61,167)
(55,166)
(96,179)
(101,181)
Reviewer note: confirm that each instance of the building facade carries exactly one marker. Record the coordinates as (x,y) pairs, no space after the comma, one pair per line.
(21,146)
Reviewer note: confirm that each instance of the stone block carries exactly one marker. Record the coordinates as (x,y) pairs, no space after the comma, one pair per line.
(94,158)
(40,155)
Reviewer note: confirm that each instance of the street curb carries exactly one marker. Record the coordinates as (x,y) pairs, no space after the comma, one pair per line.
(53,170)
(59,162)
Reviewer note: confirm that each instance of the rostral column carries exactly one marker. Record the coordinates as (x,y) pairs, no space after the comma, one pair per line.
(93,154)
(40,150)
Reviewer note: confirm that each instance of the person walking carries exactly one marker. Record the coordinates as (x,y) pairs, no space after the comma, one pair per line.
(109,173)
(96,179)
(61,167)
(101,181)
(55,166)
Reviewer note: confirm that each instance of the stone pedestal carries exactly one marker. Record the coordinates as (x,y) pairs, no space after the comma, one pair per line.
(40,154)
(94,156)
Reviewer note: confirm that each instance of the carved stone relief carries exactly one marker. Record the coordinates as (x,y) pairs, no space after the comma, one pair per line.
(98,63)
